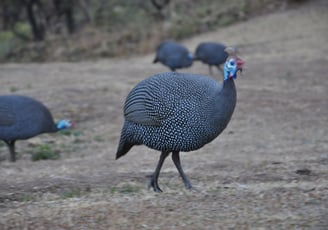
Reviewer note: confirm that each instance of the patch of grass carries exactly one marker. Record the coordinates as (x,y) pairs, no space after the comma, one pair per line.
(71,194)
(44,152)
(126,189)
(13,89)
(70,132)
(27,198)
(99,139)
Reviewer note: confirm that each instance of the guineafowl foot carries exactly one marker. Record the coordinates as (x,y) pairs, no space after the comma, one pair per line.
(188,185)
(154,184)
(153,180)
(176,160)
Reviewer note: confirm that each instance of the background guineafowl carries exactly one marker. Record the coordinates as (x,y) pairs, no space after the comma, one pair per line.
(212,54)
(23,117)
(173,112)
(173,55)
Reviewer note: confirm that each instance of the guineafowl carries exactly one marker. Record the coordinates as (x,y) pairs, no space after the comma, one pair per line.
(212,54)
(22,117)
(173,112)
(173,55)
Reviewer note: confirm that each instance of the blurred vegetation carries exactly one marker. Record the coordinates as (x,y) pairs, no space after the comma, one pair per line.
(73,30)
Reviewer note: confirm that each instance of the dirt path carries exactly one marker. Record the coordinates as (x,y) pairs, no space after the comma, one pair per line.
(269,169)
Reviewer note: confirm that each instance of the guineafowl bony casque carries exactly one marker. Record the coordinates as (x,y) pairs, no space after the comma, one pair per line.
(22,117)
(173,55)
(212,54)
(173,112)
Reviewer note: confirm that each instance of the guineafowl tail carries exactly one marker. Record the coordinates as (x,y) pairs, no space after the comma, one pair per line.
(123,148)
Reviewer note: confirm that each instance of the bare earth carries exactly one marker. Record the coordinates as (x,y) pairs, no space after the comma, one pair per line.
(267,170)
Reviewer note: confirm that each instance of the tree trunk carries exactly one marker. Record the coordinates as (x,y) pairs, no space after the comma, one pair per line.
(38,29)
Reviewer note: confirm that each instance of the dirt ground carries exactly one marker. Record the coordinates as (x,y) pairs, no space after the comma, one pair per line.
(267,170)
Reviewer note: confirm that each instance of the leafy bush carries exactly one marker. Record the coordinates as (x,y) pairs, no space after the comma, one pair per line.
(6,43)
(23,29)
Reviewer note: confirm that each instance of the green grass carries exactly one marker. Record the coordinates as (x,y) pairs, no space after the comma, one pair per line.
(126,189)
(68,194)
(70,132)
(99,139)
(44,152)
(27,198)
(13,89)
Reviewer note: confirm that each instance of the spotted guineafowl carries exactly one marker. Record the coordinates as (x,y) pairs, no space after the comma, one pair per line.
(212,54)
(173,112)
(173,55)
(22,117)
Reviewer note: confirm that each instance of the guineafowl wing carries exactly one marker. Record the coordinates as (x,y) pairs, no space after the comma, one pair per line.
(162,96)
(7,116)
(144,105)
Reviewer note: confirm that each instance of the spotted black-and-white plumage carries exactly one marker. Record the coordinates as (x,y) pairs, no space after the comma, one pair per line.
(22,117)
(173,112)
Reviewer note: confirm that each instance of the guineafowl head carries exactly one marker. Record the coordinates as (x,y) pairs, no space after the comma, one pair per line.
(64,124)
(232,64)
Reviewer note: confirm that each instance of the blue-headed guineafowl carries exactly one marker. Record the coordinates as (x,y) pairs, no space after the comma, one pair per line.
(173,55)
(22,117)
(173,112)
(212,54)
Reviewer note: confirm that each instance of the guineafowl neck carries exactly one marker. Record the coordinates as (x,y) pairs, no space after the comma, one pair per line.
(225,103)
(229,88)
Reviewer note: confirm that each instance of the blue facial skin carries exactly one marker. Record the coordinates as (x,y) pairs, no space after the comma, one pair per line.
(63,124)
(230,69)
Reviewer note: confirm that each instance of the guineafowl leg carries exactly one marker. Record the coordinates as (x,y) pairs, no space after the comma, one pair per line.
(176,160)
(11,146)
(153,180)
